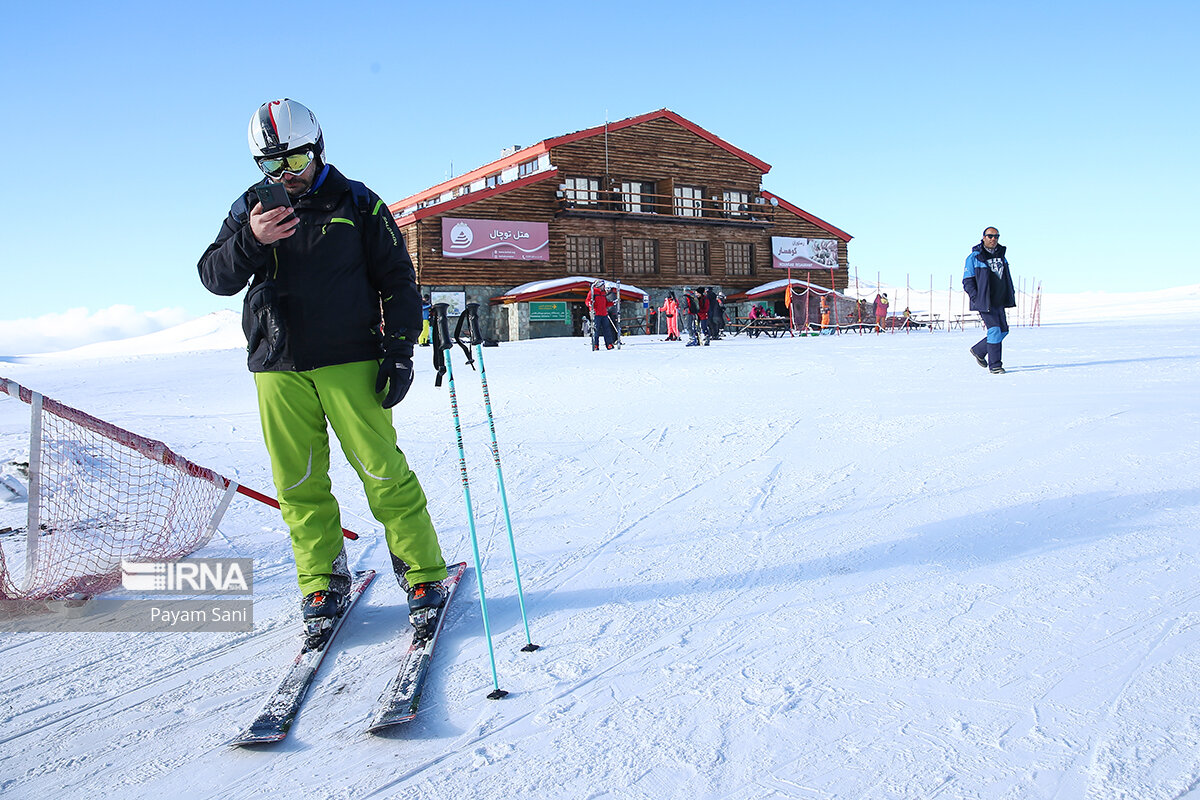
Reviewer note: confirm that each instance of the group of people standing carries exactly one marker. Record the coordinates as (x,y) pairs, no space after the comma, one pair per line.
(702,312)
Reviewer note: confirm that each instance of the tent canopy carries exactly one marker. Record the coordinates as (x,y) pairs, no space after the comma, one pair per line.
(574,287)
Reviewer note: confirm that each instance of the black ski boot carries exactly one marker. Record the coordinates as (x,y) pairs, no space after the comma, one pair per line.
(320,610)
(424,601)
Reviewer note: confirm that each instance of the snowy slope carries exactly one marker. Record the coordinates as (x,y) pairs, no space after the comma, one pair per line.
(854,566)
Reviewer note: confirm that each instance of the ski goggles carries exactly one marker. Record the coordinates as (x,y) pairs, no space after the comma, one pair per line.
(291,163)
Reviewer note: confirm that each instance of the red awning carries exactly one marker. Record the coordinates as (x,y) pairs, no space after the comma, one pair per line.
(571,288)
(777,289)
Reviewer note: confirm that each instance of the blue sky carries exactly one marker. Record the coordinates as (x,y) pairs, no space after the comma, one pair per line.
(1068,125)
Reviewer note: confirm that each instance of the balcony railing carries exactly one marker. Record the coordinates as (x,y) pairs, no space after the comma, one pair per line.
(615,201)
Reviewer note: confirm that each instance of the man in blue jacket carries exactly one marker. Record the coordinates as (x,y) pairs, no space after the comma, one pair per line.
(987,280)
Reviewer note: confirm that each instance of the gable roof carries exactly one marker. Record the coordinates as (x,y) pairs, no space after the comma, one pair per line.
(571,287)
(472,197)
(544,146)
(662,113)
(813,218)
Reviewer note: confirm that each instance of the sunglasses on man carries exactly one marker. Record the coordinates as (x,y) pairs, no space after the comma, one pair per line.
(991,236)
(290,163)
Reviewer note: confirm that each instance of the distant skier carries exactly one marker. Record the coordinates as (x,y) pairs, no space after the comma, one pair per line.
(423,339)
(691,316)
(670,310)
(988,282)
(881,312)
(757,312)
(597,303)
(331,316)
(717,321)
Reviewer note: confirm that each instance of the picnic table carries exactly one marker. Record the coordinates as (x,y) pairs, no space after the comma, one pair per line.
(773,327)
(961,321)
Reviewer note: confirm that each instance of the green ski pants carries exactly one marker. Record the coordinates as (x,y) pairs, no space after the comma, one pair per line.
(294,407)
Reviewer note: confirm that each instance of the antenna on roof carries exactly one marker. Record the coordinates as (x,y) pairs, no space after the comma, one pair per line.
(606,149)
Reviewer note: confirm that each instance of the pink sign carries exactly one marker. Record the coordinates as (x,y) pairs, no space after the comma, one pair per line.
(494,238)
(792,253)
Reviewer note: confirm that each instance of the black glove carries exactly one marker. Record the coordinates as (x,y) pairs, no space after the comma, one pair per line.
(396,373)
(268,322)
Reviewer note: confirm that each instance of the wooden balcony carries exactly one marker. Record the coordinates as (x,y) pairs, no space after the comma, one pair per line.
(664,208)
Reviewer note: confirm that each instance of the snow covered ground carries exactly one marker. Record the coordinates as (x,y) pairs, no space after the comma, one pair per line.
(836,567)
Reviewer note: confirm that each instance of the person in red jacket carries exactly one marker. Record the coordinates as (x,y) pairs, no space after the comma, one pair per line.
(881,312)
(597,304)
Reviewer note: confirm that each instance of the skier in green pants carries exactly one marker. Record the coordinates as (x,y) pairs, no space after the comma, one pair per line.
(331,316)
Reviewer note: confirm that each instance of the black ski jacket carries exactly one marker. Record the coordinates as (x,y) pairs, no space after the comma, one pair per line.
(343,279)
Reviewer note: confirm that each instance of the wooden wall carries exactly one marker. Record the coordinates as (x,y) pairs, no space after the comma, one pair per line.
(659,151)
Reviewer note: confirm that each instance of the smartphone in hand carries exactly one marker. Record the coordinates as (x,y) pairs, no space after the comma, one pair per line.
(272,195)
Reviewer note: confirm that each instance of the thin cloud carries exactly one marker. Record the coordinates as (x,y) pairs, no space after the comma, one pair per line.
(52,333)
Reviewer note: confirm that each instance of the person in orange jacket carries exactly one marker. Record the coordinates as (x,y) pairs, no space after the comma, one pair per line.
(670,309)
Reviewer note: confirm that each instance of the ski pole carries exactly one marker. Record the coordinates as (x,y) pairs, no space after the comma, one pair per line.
(441,346)
(472,317)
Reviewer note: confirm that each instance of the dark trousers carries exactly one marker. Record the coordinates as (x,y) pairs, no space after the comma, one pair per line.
(996,323)
(603,327)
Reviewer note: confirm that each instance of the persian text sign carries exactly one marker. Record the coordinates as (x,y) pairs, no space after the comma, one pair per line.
(548,311)
(789,253)
(493,238)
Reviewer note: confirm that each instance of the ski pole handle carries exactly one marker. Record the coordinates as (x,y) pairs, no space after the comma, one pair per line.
(439,321)
(473,321)
(440,331)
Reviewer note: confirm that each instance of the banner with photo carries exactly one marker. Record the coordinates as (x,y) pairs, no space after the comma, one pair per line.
(790,253)
(495,239)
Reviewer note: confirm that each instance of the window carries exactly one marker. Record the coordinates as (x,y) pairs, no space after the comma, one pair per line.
(739,258)
(689,201)
(585,254)
(459,191)
(692,258)
(640,256)
(635,197)
(737,204)
(582,191)
(492,181)
(527,167)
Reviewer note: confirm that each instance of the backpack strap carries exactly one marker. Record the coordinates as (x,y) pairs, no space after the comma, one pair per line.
(362,197)
(240,210)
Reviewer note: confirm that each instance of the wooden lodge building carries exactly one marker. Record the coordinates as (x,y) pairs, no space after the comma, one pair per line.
(654,201)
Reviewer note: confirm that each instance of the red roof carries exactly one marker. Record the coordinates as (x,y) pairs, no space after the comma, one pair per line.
(472,197)
(800,212)
(569,287)
(533,151)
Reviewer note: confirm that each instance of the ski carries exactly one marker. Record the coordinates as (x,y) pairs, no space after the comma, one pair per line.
(400,699)
(280,712)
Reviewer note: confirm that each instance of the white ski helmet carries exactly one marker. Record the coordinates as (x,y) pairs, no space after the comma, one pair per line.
(282,126)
